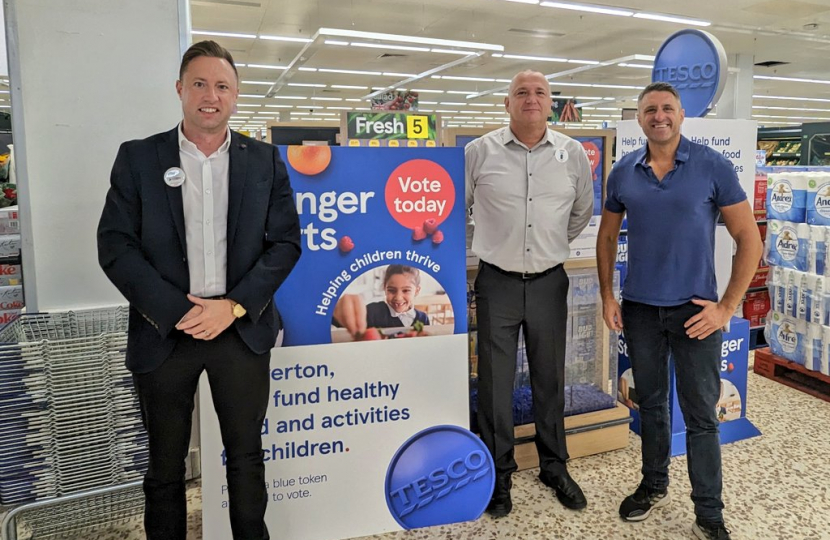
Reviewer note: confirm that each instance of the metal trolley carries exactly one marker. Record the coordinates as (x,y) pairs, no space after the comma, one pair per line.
(72,446)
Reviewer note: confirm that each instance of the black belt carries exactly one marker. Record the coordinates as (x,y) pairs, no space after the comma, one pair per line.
(524,276)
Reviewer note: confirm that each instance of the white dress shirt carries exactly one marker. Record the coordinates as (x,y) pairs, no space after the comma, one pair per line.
(530,203)
(205,201)
(406,317)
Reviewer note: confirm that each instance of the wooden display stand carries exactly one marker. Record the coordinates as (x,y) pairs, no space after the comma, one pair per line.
(791,374)
(585,434)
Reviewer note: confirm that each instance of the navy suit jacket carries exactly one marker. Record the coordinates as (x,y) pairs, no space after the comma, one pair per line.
(141,243)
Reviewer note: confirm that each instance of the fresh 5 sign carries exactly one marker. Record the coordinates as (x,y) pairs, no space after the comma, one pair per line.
(374,125)
(694,62)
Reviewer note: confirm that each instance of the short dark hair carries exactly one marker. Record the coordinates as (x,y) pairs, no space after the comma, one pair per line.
(658,86)
(206,48)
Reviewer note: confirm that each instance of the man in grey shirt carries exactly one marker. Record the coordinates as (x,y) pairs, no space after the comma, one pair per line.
(533,194)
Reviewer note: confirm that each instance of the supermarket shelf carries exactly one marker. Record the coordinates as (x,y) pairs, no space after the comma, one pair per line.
(786,154)
(756,289)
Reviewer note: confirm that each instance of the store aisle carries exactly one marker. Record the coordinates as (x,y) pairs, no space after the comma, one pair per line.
(776,486)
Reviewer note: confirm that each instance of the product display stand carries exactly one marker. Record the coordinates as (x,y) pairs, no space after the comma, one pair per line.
(798,324)
(594,421)
(731,407)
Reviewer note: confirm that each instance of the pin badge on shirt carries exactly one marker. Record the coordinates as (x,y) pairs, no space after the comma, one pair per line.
(561,155)
(174,177)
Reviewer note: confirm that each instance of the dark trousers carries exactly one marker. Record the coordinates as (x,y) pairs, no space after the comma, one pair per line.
(539,307)
(652,332)
(239,383)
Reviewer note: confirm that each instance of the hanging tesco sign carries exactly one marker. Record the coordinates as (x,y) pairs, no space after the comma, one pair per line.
(694,62)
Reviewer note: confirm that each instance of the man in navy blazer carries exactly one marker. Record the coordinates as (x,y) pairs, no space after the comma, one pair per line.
(198,231)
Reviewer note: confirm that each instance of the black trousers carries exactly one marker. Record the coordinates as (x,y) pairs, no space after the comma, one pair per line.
(239,383)
(539,306)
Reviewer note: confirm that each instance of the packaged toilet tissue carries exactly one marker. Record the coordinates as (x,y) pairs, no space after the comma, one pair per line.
(787,337)
(787,196)
(817,301)
(816,250)
(784,245)
(826,258)
(825,350)
(802,231)
(805,297)
(771,256)
(792,285)
(813,348)
(777,288)
(818,198)
(825,306)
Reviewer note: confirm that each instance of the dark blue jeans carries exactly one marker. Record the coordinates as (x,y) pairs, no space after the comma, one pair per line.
(652,334)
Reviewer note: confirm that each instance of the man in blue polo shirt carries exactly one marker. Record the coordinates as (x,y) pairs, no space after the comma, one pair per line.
(672,191)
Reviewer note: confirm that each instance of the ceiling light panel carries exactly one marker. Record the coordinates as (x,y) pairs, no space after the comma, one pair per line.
(389,47)
(265,66)
(285,38)
(222,34)
(671,18)
(395,38)
(591,8)
(791,79)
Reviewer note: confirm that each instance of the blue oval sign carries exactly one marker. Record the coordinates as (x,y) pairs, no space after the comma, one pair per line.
(443,474)
(694,62)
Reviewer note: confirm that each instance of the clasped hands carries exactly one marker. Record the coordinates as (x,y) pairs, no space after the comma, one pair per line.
(207,318)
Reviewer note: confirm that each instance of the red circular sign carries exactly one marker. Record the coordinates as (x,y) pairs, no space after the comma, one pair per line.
(593,154)
(419,190)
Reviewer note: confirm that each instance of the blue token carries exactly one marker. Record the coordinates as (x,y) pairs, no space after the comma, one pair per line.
(443,474)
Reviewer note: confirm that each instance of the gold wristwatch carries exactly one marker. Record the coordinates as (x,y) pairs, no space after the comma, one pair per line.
(237,309)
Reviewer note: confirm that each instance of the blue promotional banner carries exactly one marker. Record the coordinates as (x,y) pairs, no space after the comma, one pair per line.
(731,408)
(372,373)
(368,209)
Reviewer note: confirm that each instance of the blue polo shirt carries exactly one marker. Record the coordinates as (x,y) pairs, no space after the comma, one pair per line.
(671,223)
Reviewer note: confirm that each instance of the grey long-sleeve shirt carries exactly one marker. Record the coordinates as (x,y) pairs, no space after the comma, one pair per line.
(530,203)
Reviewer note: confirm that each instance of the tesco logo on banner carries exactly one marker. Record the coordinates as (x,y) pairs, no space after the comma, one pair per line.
(694,62)
(443,474)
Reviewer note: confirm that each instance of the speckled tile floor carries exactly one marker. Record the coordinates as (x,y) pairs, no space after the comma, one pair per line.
(777,486)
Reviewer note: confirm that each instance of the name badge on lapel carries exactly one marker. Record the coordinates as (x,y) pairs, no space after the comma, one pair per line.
(174,177)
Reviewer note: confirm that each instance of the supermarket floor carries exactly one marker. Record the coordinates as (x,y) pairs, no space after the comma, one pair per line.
(776,486)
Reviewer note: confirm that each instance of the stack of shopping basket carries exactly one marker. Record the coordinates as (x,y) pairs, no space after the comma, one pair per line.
(69,420)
